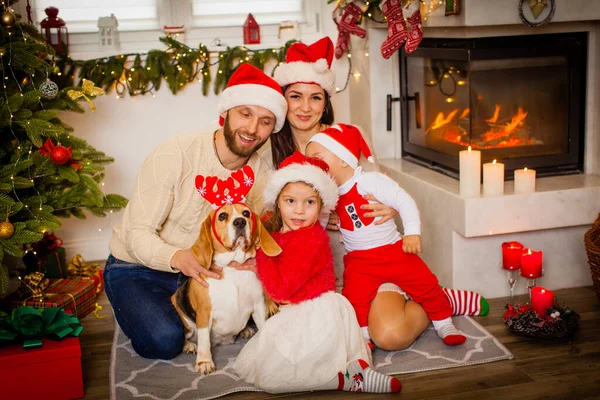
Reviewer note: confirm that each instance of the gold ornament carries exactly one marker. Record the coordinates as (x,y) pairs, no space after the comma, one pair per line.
(25,81)
(8,19)
(537,6)
(87,89)
(6,229)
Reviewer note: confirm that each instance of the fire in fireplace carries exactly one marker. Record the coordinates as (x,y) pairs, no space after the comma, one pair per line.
(517,99)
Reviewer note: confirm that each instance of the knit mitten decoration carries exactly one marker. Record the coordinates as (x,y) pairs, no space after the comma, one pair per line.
(397,33)
(349,21)
(415,35)
(465,302)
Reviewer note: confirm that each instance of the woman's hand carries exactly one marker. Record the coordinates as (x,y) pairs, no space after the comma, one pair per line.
(185,262)
(248,265)
(334,221)
(411,244)
(378,210)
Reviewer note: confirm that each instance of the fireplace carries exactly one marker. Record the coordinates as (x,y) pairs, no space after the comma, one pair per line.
(520,100)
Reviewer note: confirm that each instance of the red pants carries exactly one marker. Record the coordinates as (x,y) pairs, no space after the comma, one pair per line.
(366,270)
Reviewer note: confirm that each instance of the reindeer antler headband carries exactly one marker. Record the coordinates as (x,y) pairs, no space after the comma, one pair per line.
(219,192)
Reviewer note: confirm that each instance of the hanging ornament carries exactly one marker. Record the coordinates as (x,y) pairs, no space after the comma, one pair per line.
(537,7)
(6,229)
(49,89)
(8,19)
(25,81)
(58,154)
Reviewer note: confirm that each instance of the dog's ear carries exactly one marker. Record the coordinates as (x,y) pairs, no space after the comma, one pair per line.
(265,241)
(203,248)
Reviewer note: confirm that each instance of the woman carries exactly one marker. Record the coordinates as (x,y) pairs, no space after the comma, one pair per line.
(308,84)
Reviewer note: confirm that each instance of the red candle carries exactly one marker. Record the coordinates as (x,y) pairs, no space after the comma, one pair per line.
(541,299)
(531,264)
(511,255)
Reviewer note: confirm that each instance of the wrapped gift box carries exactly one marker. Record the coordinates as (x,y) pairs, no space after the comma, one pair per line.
(53,265)
(77,296)
(50,372)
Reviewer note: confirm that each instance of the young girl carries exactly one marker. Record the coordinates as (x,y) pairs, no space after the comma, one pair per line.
(314,342)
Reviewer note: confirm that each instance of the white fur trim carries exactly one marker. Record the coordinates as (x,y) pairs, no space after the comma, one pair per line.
(336,148)
(305,72)
(313,175)
(251,94)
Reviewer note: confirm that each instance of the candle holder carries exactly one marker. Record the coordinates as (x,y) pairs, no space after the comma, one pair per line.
(530,284)
(512,276)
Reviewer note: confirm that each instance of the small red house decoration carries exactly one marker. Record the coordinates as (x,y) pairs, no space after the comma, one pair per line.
(55,31)
(251,31)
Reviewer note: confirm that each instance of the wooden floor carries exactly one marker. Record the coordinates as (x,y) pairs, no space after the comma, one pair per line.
(541,369)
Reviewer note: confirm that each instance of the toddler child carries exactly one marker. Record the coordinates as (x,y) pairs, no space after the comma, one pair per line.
(314,342)
(377,254)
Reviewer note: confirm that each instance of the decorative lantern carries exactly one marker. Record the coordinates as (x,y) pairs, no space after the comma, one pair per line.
(251,31)
(55,31)
(108,30)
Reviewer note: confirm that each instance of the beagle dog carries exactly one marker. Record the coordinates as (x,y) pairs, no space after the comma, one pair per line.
(217,314)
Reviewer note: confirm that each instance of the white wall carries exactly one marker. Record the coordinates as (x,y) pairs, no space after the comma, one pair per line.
(129,128)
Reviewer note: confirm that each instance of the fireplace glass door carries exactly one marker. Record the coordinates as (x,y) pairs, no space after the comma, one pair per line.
(517,102)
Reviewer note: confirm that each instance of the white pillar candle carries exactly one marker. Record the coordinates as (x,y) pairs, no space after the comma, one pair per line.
(493,179)
(524,181)
(469,172)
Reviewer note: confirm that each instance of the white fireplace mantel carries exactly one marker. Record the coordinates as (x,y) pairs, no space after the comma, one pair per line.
(462,237)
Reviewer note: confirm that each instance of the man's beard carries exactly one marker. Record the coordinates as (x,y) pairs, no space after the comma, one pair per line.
(232,145)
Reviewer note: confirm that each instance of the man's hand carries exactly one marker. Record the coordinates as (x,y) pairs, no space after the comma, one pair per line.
(334,221)
(378,210)
(185,262)
(411,244)
(248,265)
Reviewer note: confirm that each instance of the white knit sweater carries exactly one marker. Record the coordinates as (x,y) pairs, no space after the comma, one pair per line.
(165,212)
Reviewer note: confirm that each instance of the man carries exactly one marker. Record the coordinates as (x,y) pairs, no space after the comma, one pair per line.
(150,251)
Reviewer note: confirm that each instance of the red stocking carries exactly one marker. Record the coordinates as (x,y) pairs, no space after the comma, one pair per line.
(397,34)
(343,41)
(349,21)
(416,30)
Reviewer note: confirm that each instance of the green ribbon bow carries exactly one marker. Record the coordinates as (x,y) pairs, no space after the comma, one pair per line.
(31,325)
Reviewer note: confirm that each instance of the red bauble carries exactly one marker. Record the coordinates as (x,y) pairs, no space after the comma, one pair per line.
(61,154)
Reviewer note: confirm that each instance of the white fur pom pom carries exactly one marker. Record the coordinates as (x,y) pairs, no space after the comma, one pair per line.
(321,66)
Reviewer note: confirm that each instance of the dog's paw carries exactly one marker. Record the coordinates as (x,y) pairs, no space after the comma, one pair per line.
(189,347)
(247,332)
(205,367)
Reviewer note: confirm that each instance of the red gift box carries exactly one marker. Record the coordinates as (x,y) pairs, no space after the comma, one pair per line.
(99,281)
(77,296)
(50,372)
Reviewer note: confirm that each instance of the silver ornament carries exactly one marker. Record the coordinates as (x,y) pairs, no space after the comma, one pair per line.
(49,89)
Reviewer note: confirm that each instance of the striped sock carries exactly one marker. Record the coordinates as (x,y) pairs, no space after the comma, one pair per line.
(448,333)
(361,378)
(465,302)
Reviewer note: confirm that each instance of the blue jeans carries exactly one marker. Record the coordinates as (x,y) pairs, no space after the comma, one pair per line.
(141,300)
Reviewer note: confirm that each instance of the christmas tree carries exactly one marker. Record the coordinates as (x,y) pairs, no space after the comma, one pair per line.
(46,173)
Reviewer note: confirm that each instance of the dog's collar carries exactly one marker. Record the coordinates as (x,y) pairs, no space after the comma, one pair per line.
(214,229)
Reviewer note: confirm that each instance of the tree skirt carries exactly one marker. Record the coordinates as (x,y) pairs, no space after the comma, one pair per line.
(132,376)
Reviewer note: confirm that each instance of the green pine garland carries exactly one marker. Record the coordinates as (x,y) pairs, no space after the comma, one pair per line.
(179,65)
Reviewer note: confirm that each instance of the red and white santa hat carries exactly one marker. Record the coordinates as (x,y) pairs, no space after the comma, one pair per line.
(300,168)
(249,86)
(308,64)
(346,142)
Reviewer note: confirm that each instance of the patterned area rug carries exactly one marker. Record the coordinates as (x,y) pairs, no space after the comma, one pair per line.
(132,376)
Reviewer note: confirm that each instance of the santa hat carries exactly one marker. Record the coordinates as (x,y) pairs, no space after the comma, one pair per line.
(345,141)
(249,86)
(308,64)
(300,168)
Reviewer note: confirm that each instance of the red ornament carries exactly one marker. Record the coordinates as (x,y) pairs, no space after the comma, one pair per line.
(251,31)
(61,155)
(55,31)
(58,154)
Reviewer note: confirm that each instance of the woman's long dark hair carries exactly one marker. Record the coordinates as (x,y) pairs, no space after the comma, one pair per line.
(282,142)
